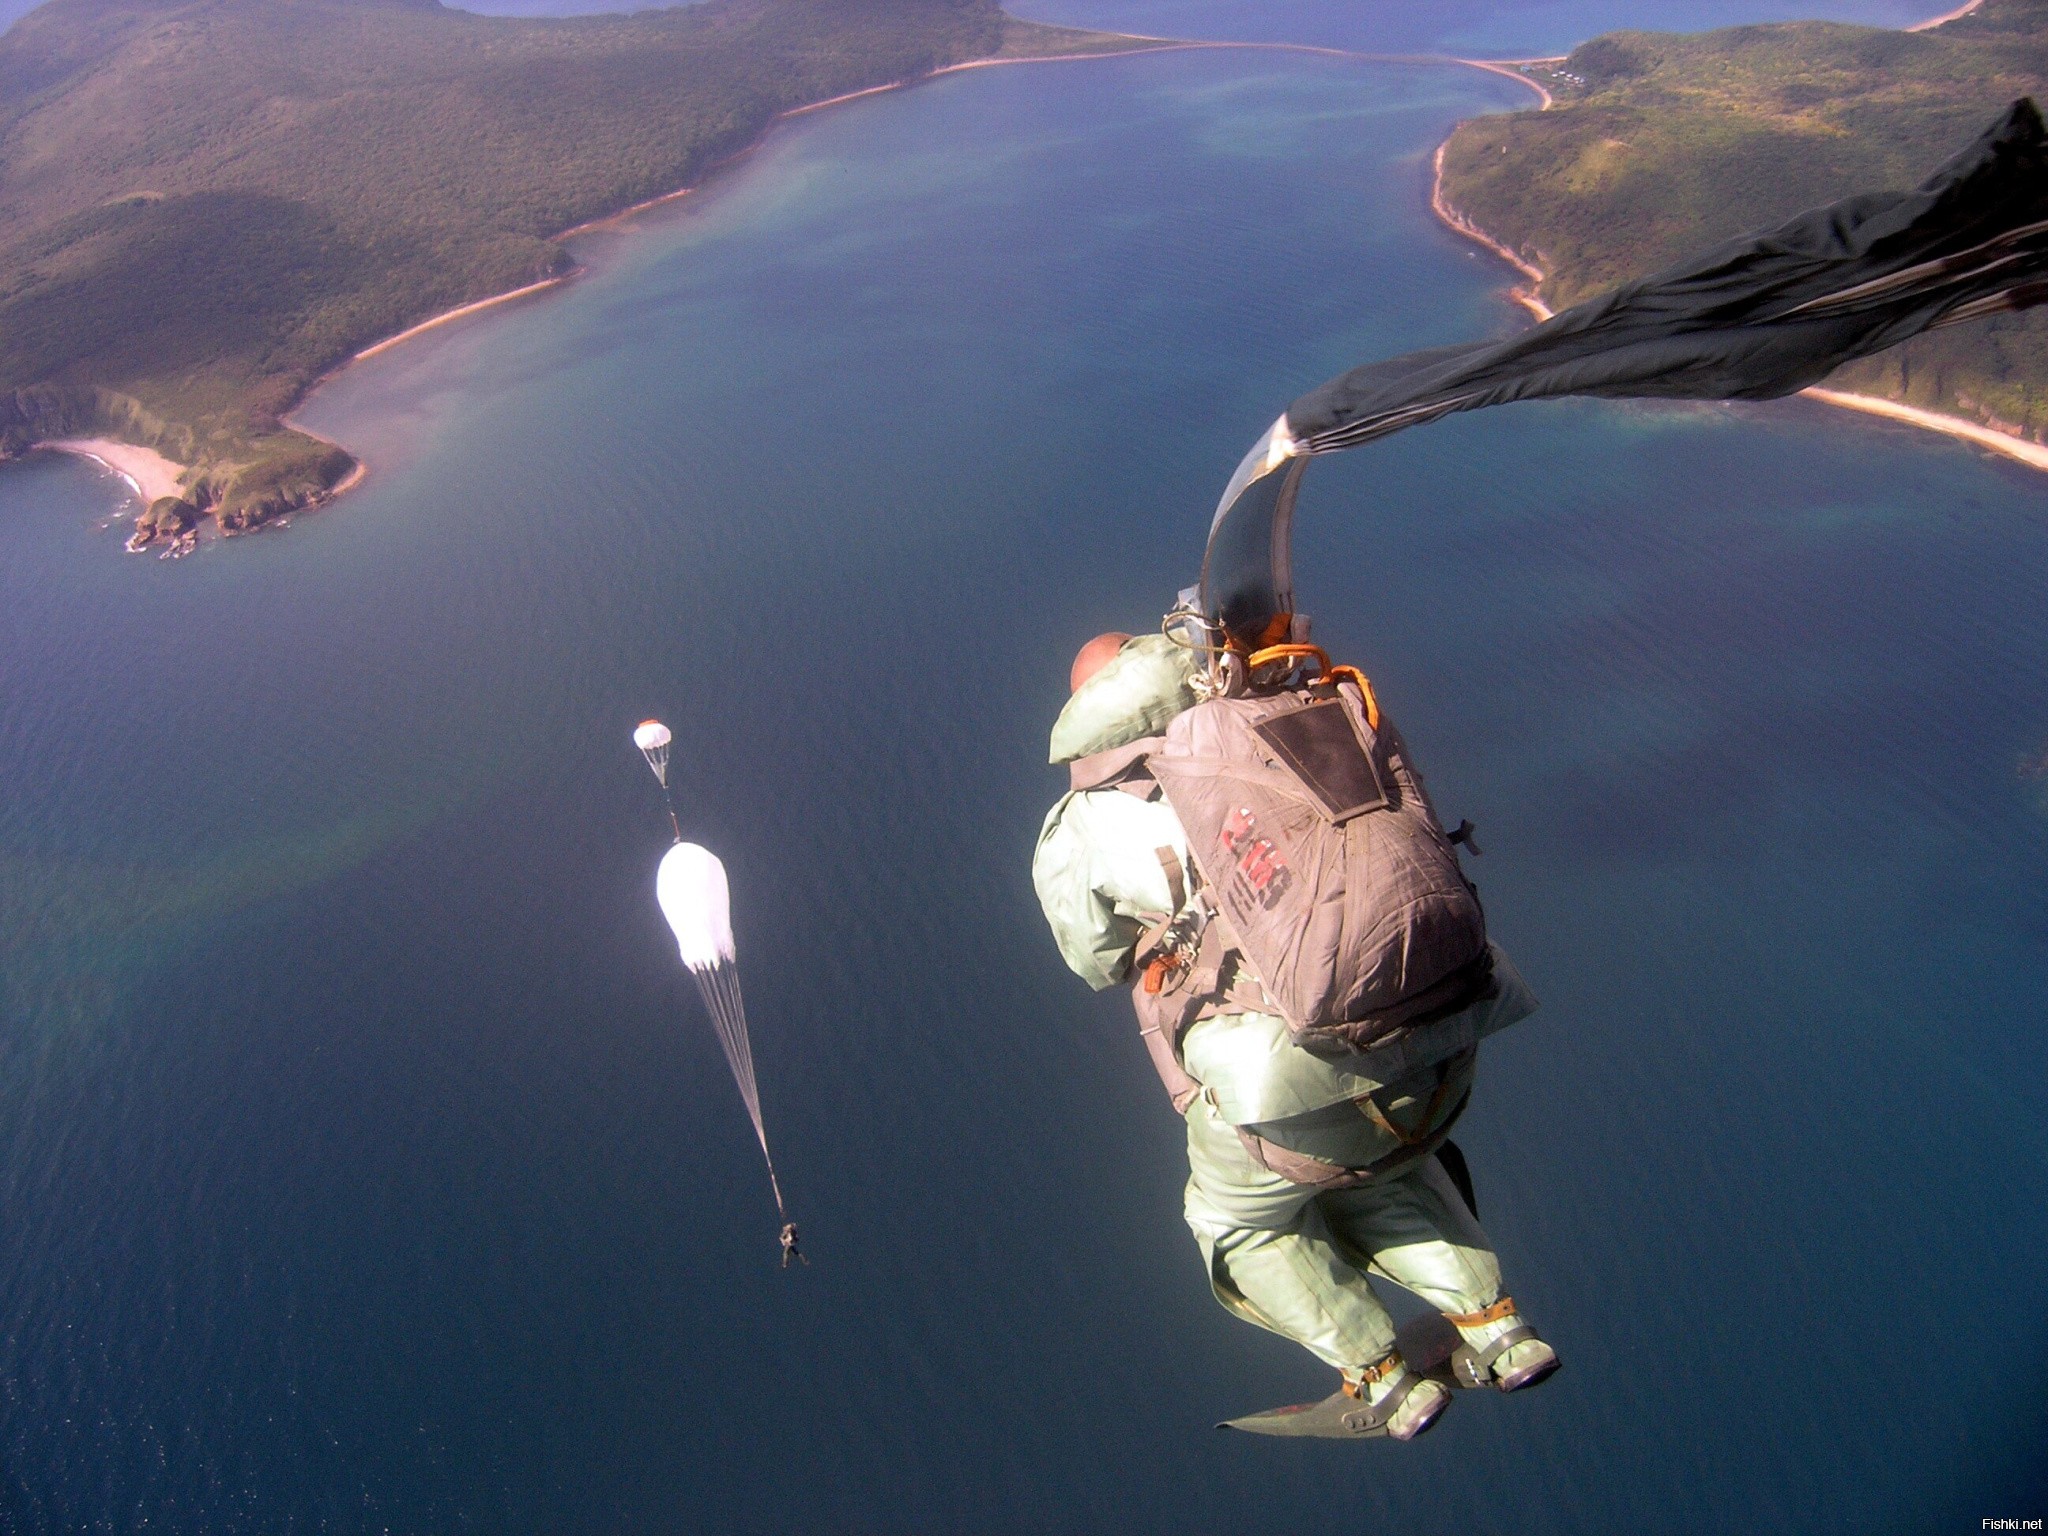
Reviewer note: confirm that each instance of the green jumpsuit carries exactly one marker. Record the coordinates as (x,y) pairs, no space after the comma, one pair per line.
(1281,1254)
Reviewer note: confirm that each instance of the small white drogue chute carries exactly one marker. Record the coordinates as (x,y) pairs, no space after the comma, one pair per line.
(652,738)
(696,900)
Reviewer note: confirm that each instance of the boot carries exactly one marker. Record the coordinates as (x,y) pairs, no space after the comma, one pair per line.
(1398,1403)
(1499,1349)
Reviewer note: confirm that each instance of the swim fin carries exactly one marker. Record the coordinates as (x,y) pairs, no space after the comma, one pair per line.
(1425,1343)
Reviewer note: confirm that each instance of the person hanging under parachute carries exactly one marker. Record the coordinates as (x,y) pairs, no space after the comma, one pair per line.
(691,888)
(1247,844)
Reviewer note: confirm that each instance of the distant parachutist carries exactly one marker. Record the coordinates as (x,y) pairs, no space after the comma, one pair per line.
(690,887)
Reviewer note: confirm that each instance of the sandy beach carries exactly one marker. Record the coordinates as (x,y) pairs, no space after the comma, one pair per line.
(470,308)
(2020,448)
(148,473)
(1955,15)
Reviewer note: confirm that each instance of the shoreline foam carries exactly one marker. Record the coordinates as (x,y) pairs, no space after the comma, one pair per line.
(149,474)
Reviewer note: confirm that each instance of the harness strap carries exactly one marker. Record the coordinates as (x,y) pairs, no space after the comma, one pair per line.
(1300,1168)
(1176,878)
(1385,1368)
(1505,1307)
(1379,1117)
(1180,1088)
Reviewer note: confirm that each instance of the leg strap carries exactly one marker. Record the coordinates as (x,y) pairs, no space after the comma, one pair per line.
(1503,1308)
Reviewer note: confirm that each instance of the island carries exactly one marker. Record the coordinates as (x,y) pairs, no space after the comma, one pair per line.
(207,205)
(1656,145)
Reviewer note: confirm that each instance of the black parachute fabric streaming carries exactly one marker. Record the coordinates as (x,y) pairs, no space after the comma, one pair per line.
(1754,318)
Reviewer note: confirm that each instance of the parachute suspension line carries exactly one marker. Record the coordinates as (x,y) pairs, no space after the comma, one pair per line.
(691,888)
(653,739)
(719,986)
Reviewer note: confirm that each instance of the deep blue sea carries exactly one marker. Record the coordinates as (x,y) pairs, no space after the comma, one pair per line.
(366,1162)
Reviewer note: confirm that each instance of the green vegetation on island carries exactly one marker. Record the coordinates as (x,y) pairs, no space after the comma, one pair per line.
(206,204)
(1660,144)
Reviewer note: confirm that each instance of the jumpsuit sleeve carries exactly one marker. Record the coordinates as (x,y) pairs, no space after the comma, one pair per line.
(1099,879)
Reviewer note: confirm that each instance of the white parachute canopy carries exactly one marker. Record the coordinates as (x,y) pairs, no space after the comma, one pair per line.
(697,902)
(652,738)
(694,897)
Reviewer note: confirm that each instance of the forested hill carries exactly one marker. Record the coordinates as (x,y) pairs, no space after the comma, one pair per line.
(1662,144)
(204,204)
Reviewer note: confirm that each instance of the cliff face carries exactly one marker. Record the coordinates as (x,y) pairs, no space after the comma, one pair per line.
(205,204)
(1660,145)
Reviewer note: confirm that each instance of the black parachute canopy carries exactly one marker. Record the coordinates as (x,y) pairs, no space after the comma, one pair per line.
(1756,317)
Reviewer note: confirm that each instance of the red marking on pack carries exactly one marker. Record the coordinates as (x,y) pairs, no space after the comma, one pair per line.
(1261,875)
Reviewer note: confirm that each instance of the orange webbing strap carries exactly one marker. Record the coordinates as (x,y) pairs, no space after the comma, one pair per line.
(1372,703)
(1386,1368)
(1505,1307)
(1330,674)
(1278,628)
(1259,658)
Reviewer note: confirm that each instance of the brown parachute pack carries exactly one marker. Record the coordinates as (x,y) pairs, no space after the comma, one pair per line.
(1323,859)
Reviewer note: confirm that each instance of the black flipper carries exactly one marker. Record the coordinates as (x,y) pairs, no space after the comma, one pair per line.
(1340,1416)
(1454,1164)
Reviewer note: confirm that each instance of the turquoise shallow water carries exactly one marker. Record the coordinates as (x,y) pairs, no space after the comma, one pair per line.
(366,1163)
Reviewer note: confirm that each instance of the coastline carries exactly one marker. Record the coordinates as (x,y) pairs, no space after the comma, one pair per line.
(1545,101)
(2032,454)
(149,474)
(1525,295)
(447,315)
(1149,45)
(1946,16)
(2024,450)
(152,476)
(163,472)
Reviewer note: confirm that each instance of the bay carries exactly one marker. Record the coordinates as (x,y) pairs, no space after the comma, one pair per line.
(367,1165)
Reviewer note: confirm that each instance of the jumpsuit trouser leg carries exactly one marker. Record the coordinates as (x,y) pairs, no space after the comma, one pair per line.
(1295,1261)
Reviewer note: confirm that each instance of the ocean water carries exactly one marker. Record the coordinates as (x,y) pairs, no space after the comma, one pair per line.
(1487,28)
(365,1161)
(1514,26)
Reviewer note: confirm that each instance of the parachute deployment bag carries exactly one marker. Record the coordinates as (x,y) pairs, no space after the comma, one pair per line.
(1313,832)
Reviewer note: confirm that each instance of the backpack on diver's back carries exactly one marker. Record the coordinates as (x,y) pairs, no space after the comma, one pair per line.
(1316,840)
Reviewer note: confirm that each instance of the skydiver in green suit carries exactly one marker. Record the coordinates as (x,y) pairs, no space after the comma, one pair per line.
(1305,1171)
